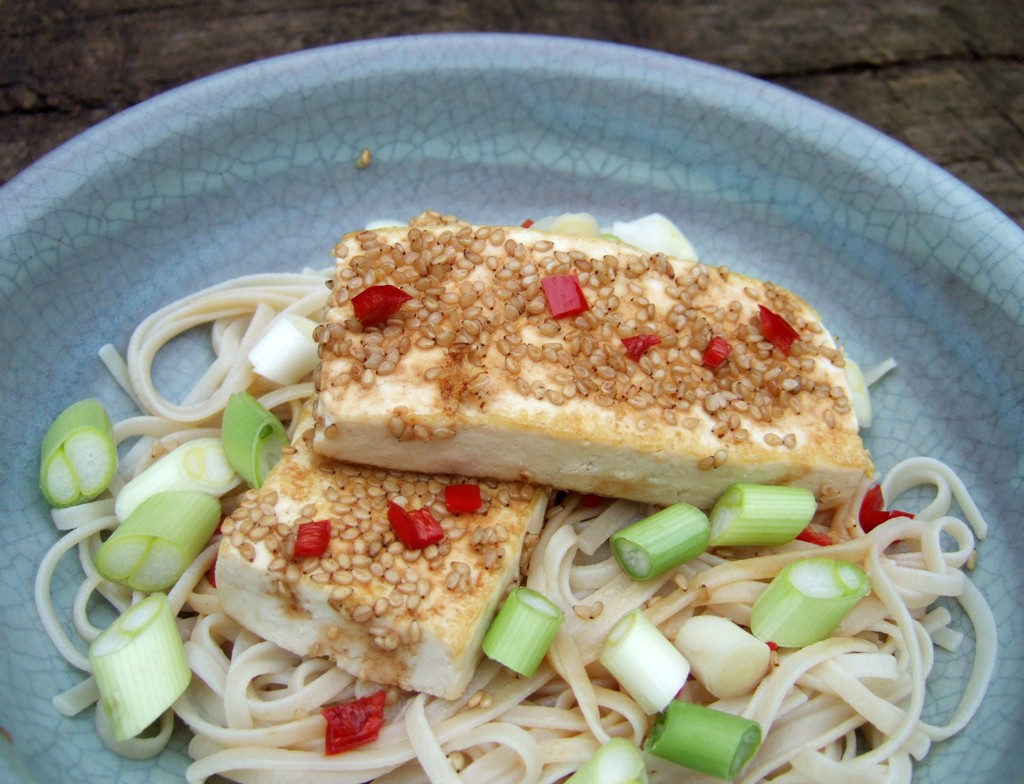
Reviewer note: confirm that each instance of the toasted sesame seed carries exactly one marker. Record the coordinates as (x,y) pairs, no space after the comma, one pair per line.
(362,613)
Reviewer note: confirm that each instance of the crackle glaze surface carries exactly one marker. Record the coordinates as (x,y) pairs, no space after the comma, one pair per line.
(254,170)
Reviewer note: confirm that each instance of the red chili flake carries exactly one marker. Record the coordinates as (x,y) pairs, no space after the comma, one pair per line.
(814,537)
(591,500)
(638,344)
(873,512)
(777,331)
(377,303)
(462,498)
(312,538)
(716,352)
(527,223)
(772,646)
(564,294)
(415,528)
(353,723)
(212,574)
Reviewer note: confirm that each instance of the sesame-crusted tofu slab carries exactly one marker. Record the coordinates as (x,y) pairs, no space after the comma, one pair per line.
(387,614)
(580,363)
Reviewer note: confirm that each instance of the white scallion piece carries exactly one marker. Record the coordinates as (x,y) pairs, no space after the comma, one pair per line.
(655,233)
(200,464)
(760,515)
(647,665)
(139,665)
(286,353)
(578,224)
(78,456)
(151,549)
(859,395)
(617,762)
(726,658)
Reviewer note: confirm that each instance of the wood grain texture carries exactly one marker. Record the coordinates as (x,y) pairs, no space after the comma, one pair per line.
(946,78)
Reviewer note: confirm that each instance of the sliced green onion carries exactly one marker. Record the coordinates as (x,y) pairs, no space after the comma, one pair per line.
(139,665)
(649,667)
(807,600)
(200,464)
(617,762)
(704,739)
(760,515)
(666,539)
(253,438)
(78,456)
(286,353)
(523,630)
(726,658)
(163,535)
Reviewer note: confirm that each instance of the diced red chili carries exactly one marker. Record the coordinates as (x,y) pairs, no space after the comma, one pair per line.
(353,723)
(462,498)
(591,500)
(377,303)
(772,646)
(527,223)
(777,331)
(416,528)
(312,538)
(638,344)
(718,349)
(814,537)
(564,294)
(872,511)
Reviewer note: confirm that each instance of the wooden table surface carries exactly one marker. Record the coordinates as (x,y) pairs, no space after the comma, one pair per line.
(944,77)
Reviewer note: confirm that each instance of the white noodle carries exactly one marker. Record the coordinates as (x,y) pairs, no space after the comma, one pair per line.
(72,517)
(118,368)
(44,604)
(874,375)
(434,761)
(254,709)
(77,698)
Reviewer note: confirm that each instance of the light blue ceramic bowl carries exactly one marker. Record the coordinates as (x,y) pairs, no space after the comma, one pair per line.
(253,169)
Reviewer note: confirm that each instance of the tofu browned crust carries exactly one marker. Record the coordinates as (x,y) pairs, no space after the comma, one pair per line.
(475,374)
(396,617)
